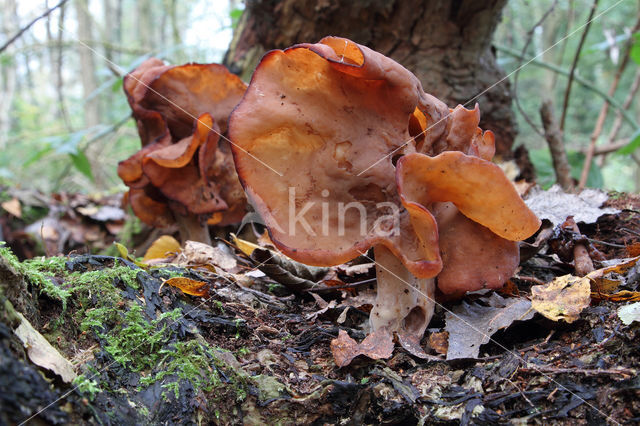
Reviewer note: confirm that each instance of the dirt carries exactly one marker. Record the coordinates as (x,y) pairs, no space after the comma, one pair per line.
(269,350)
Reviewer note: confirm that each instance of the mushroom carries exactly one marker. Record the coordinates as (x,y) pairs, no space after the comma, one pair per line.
(184,173)
(334,119)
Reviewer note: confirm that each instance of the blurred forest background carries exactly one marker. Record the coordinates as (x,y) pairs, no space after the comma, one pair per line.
(65,122)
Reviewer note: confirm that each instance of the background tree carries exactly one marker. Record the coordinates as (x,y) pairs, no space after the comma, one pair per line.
(447,44)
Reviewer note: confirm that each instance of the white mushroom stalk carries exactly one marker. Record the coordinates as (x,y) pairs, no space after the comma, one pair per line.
(404,303)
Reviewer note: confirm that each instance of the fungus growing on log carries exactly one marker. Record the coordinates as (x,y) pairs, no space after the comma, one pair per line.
(184,173)
(334,119)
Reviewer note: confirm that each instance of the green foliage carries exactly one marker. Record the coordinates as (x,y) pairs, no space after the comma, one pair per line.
(235,16)
(541,159)
(597,65)
(635,50)
(633,144)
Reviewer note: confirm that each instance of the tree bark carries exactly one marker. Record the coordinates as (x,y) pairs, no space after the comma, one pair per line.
(8,27)
(88,65)
(447,44)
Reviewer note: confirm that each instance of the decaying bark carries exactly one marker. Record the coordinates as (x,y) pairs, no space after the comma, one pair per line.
(447,44)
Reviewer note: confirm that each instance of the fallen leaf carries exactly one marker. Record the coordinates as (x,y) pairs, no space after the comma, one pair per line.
(42,353)
(189,286)
(377,345)
(633,249)
(563,298)
(162,248)
(621,296)
(407,390)
(13,207)
(555,205)
(296,276)
(606,280)
(439,342)
(351,270)
(471,325)
(124,253)
(244,246)
(195,253)
(629,313)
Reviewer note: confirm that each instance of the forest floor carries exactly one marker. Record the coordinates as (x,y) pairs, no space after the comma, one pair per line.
(251,347)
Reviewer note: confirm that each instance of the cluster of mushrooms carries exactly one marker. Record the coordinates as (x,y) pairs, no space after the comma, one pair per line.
(340,150)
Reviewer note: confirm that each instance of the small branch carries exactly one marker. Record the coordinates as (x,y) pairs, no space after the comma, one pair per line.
(565,102)
(29,25)
(555,139)
(625,372)
(617,124)
(597,130)
(609,148)
(628,117)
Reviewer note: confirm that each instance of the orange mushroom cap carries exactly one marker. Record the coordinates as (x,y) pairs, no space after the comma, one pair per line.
(331,118)
(181,112)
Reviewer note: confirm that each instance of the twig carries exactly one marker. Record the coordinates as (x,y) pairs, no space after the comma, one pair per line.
(627,102)
(29,25)
(565,102)
(518,68)
(589,372)
(607,149)
(530,279)
(617,124)
(555,139)
(597,130)
(628,117)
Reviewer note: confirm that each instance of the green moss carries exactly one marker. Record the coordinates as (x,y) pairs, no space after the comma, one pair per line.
(189,361)
(136,344)
(87,387)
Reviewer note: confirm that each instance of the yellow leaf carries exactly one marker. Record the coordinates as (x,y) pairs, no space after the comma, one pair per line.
(124,253)
(189,286)
(563,298)
(244,246)
(162,248)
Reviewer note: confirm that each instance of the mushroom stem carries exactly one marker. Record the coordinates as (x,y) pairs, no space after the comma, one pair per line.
(191,228)
(404,303)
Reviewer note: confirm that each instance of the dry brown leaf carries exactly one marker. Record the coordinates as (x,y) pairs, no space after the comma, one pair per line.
(13,207)
(42,353)
(633,249)
(195,253)
(600,283)
(162,248)
(377,345)
(189,286)
(439,342)
(471,324)
(563,298)
(621,296)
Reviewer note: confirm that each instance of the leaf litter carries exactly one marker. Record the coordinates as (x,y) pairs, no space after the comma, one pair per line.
(270,346)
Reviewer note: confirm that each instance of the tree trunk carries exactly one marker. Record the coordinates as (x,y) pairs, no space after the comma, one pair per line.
(447,44)
(88,65)
(8,27)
